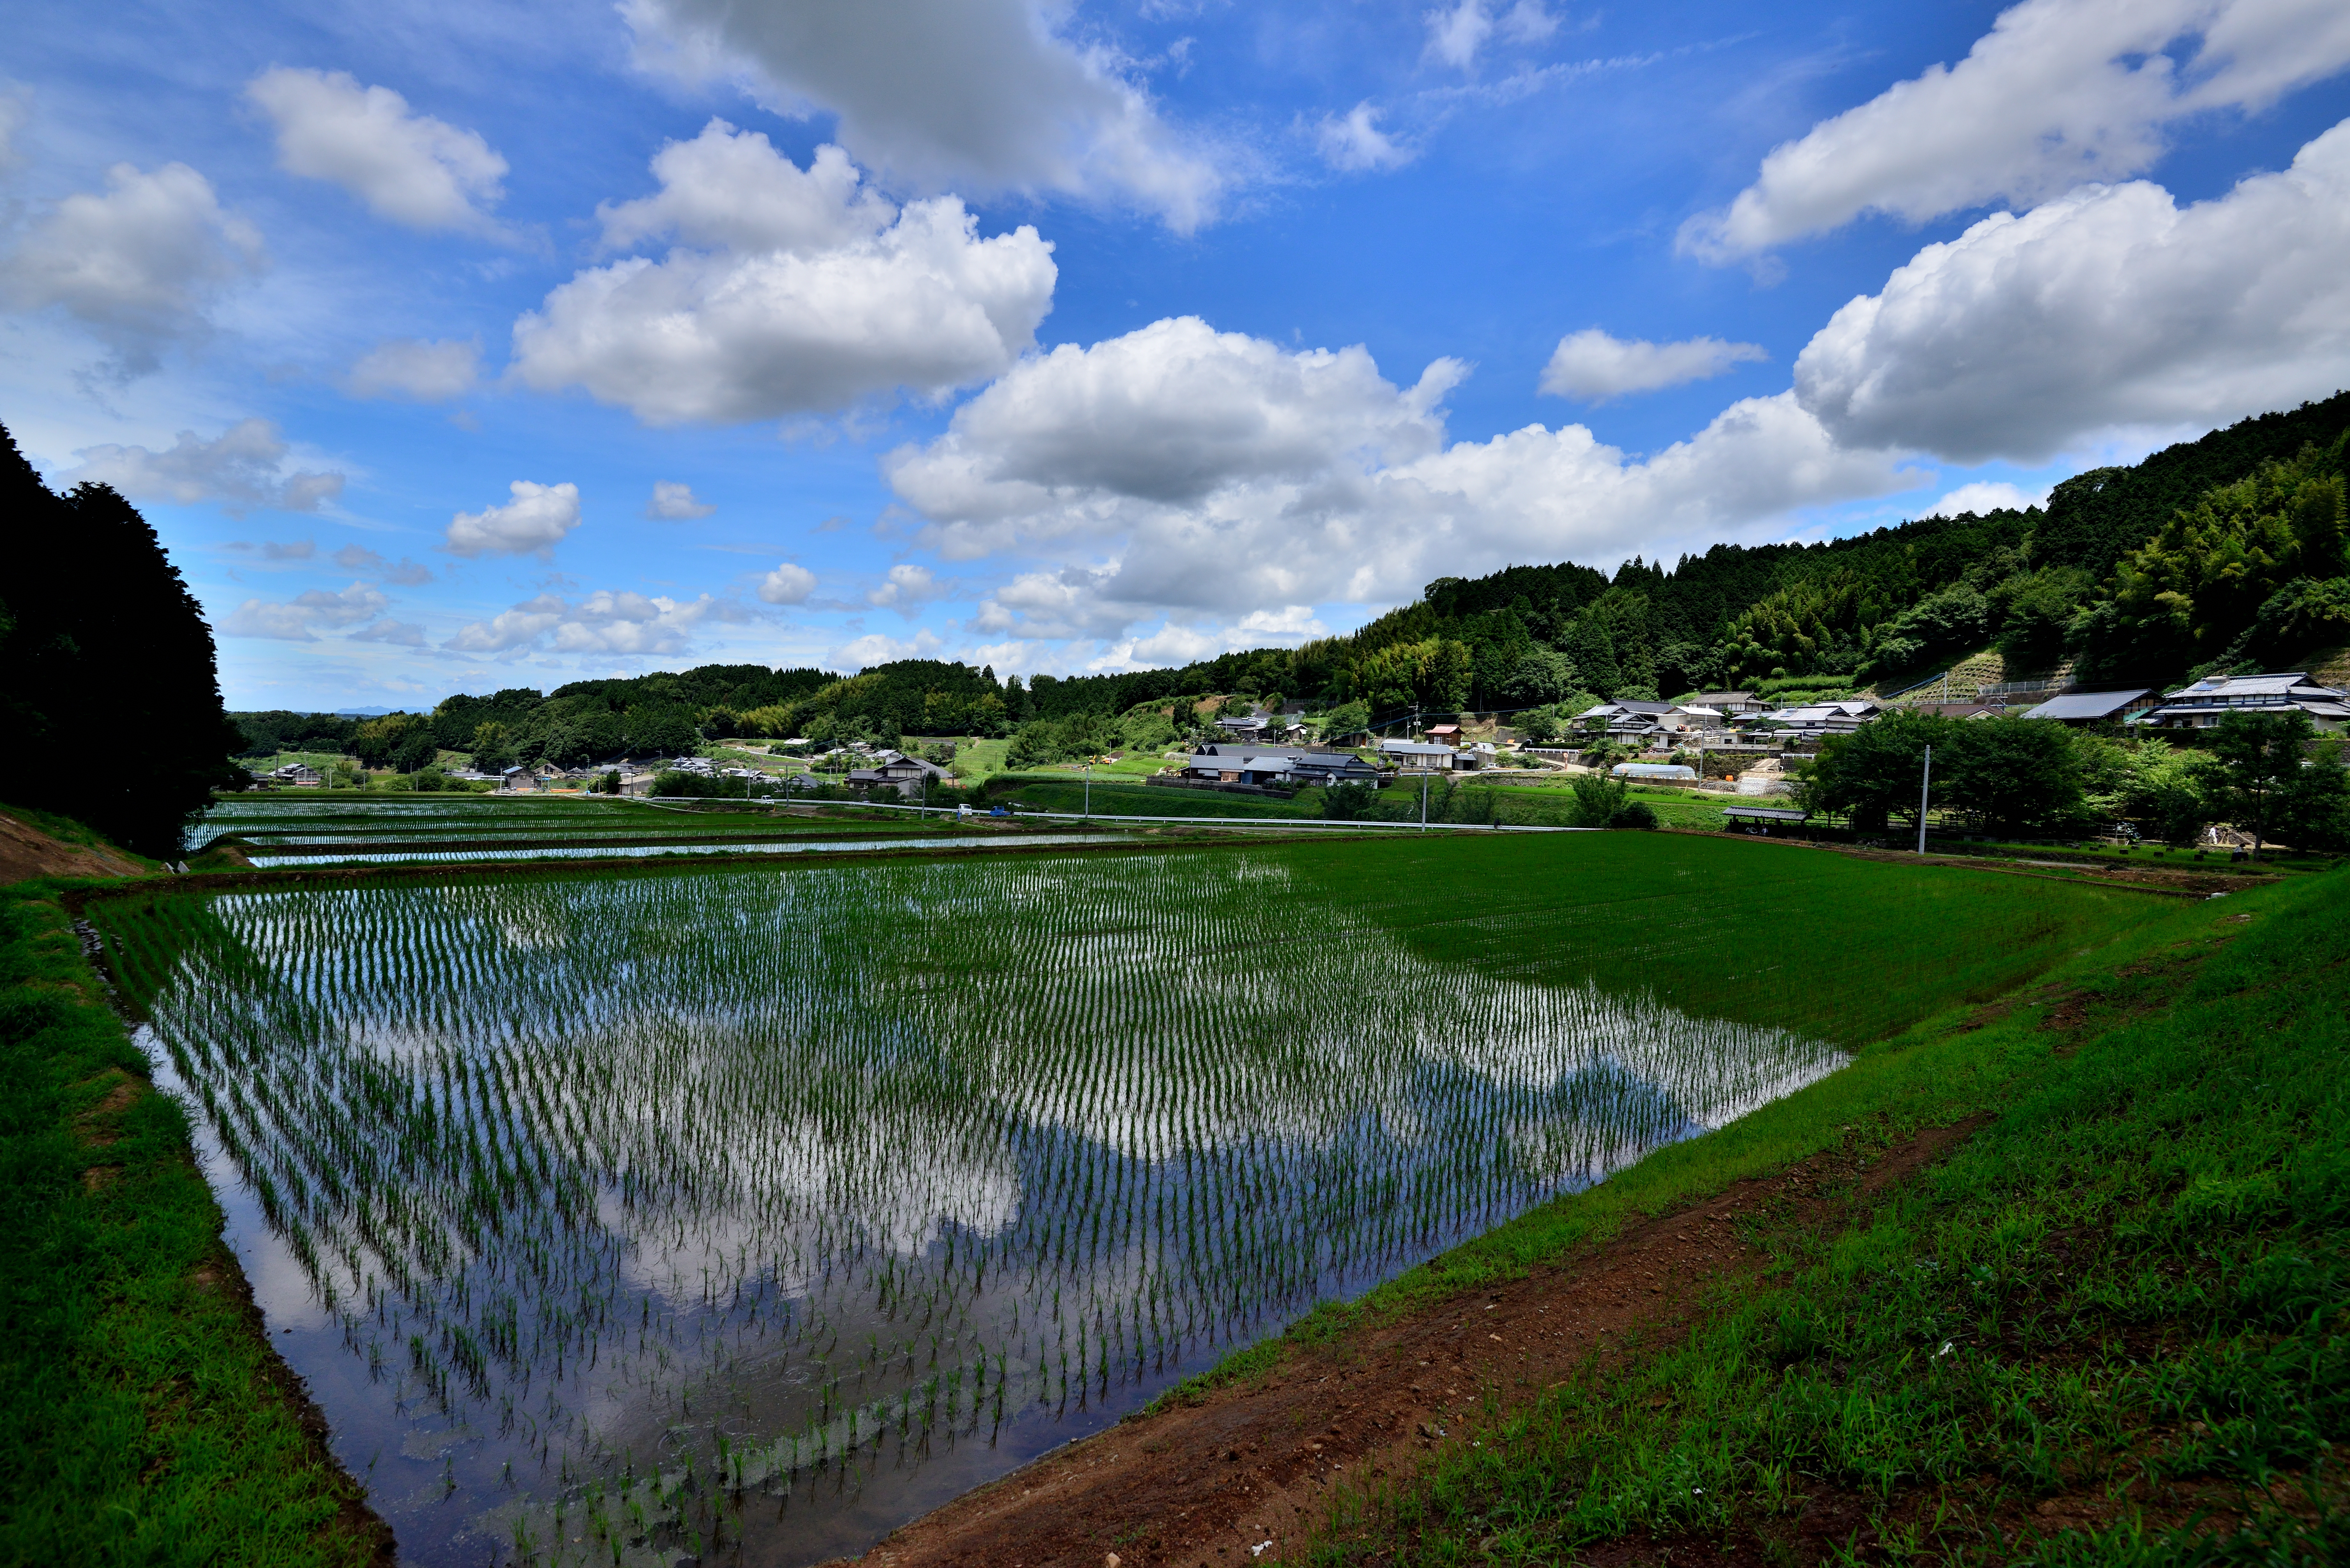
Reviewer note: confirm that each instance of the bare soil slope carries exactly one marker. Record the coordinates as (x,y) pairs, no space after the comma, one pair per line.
(26,852)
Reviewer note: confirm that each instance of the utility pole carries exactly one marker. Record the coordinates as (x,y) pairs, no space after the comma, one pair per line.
(1089,800)
(1925,785)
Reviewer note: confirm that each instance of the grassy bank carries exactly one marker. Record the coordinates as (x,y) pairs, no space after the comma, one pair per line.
(1843,949)
(1059,792)
(2109,1329)
(143,1415)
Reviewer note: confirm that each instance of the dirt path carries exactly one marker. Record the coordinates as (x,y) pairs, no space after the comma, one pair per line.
(1238,1477)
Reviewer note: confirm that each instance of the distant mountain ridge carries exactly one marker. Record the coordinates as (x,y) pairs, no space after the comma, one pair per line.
(2223,552)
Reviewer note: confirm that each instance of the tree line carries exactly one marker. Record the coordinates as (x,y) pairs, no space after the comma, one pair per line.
(2269,775)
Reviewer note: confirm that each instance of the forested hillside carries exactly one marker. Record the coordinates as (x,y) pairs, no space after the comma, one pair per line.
(2223,553)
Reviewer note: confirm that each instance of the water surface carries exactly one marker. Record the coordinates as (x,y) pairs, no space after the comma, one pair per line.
(756,1212)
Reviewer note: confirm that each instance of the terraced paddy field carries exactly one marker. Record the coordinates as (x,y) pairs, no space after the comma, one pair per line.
(750,1211)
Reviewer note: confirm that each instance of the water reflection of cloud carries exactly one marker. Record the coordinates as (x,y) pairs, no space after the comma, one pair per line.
(665,1126)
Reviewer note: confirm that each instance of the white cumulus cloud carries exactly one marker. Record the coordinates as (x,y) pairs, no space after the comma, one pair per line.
(791,292)
(1594,366)
(907,588)
(787,585)
(1355,144)
(426,370)
(2058,92)
(606,621)
(1984,496)
(242,468)
(532,524)
(1178,471)
(731,189)
(140,265)
(2109,306)
(948,92)
(674,502)
(296,619)
(875,648)
(409,168)
(1173,643)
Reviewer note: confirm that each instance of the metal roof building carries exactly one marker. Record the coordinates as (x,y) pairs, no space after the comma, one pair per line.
(2089,707)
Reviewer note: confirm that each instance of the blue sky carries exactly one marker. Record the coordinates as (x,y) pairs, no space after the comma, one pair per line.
(459,347)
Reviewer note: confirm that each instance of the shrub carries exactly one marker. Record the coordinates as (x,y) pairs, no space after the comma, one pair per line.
(699,787)
(1598,798)
(1348,802)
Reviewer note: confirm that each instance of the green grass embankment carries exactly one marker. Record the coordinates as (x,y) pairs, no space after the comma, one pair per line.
(142,1416)
(1843,947)
(2110,1328)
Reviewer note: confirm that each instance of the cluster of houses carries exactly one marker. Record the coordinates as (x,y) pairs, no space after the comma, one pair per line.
(1719,717)
(1256,753)
(1256,764)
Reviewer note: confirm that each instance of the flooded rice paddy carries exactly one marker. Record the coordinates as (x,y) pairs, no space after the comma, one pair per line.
(279,832)
(747,1214)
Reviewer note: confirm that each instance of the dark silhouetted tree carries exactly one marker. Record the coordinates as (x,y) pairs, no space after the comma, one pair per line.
(108,676)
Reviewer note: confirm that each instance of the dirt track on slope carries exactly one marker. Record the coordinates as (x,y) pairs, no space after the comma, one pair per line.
(1210,1484)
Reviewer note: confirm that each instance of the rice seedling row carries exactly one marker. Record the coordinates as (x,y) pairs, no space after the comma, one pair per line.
(613,1207)
(428,855)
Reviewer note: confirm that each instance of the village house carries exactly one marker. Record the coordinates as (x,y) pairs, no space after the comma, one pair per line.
(1224,763)
(2207,702)
(1333,767)
(1651,723)
(898,769)
(1419,754)
(1734,704)
(1813,720)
